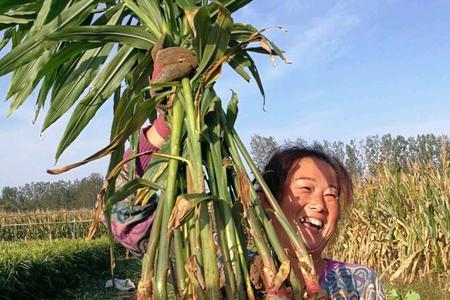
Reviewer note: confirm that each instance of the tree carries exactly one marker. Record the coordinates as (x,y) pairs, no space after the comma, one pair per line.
(262,149)
(11,199)
(338,150)
(52,195)
(87,190)
(352,161)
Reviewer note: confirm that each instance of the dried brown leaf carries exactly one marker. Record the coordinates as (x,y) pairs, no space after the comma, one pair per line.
(194,272)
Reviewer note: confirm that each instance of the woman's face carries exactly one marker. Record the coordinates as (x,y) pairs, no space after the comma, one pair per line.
(310,202)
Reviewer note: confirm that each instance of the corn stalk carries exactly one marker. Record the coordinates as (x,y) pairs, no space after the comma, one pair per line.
(207,205)
(409,235)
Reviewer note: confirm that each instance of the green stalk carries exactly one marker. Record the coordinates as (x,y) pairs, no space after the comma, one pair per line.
(132,163)
(272,201)
(230,286)
(160,290)
(194,243)
(145,286)
(179,262)
(279,251)
(268,227)
(211,273)
(226,204)
(305,261)
(244,267)
(209,255)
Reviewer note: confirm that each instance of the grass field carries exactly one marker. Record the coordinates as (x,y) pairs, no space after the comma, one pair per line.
(93,289)
(40,269)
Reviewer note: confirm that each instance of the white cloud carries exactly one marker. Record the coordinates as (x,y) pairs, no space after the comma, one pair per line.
(324,40)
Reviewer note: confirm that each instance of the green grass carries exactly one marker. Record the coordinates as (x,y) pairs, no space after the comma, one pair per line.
(86,270)
(94,288)
(426,289)
(131,268)
(39,269)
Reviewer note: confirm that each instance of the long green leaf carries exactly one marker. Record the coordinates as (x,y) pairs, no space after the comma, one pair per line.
(170,11)
(7,35)
(133,36)
(56,8)
(64,72)
(131,96)
(217,40)
(21,78)
(231,5)
(152,9)
(18,36)
(32,47)
(41,17)
(6,5)
(68,52)
(202,25)
(29,78)
(239,63)
(232,110)
(85,71)
(43,93)
(103,87)
(241,32)
(4,19)
(143,17)
(131,187)
(186,4)
(254,70)
(143,110)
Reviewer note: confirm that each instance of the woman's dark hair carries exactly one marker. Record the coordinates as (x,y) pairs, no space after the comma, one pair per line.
(277,170)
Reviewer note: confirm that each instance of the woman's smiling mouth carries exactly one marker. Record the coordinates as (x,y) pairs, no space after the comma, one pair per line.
(312,222)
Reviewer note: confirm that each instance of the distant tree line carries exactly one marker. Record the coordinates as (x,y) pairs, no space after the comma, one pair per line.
(361,157)
(52,195)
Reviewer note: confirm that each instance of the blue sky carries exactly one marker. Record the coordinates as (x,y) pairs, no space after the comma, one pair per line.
(358,68)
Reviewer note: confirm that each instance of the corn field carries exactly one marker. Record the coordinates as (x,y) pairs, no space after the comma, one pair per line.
(400,223)
(41,225)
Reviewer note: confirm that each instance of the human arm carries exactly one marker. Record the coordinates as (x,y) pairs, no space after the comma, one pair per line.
(151,138)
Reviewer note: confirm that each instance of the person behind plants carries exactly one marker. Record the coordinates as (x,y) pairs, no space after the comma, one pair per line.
(131,225)
(308,185)
(311,187)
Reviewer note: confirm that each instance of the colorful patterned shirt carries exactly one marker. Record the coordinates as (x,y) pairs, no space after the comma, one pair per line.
(344,281)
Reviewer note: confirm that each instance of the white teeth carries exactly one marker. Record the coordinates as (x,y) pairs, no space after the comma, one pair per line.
(312,221)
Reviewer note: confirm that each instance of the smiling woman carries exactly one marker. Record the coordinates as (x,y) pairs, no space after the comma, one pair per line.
(310,187)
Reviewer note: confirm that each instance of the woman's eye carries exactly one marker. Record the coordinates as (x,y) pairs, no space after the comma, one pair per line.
(331,196)
(306,188)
